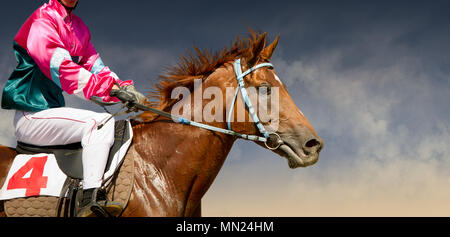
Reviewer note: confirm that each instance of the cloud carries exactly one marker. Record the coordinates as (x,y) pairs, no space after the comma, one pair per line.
(384,119)
(373,83)
(140,64)
(7,137)
(366,188)
(7,63)
(394,178)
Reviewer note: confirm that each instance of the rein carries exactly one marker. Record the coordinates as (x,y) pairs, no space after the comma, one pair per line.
(267,136)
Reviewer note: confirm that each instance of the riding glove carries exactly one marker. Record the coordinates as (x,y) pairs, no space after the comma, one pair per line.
(128,94)
(140,97)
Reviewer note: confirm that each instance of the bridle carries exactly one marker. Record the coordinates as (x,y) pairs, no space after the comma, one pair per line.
(267,136)
(241,88)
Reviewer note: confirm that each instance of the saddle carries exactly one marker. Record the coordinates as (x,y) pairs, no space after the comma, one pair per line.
(69,156)
(69,159)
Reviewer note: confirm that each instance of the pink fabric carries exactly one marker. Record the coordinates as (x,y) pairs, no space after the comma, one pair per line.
(51,27)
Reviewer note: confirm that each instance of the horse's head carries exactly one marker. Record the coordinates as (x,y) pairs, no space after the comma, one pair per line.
(297,140)
(212,81)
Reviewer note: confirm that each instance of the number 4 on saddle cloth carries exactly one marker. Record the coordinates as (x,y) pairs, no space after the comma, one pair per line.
(57,170)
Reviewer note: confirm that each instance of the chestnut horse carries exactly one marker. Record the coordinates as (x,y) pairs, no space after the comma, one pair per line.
(175,164)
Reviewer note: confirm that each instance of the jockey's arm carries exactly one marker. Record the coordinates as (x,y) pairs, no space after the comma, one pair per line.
(124,91)
(92,62)
(86,79)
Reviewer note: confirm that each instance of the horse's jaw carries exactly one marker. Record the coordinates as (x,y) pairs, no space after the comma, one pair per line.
(296,157)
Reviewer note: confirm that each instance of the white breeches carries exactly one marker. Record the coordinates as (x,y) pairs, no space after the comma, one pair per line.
(60,126)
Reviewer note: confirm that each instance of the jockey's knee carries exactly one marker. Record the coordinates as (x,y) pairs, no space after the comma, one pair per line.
(108,133)
(102,135)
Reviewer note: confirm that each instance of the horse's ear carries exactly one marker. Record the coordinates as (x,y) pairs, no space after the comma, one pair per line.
(256,49)
(267,52)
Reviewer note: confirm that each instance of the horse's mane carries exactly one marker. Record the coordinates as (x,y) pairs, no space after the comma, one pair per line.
(195,65)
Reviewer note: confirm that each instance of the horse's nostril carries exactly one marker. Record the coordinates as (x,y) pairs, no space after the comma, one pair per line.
(312,143)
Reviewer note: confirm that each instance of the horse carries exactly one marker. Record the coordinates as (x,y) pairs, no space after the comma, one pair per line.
(174,163)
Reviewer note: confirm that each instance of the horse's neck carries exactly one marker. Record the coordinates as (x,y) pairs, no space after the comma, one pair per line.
(177,164)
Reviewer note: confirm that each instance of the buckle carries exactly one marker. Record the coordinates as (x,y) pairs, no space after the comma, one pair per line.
(277,143)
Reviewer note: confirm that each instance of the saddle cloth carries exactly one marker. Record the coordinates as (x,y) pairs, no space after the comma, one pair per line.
(119,190)
(44,174)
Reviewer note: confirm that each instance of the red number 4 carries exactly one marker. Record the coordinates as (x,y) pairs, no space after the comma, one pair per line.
(35,182)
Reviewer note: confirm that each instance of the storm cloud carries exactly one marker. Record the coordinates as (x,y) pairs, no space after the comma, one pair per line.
(371,76)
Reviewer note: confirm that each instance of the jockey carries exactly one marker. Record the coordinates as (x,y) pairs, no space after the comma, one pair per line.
(54,53)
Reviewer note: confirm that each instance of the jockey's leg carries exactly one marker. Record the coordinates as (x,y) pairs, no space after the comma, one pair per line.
(96,147)
(60,126)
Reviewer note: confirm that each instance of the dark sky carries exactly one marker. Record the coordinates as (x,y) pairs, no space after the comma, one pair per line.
(371,76)
(306,27)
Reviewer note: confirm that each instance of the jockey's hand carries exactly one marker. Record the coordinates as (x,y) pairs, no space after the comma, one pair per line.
(140,97)
(128,94)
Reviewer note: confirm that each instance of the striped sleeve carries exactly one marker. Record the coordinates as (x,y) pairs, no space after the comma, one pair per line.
(48,51)
(94,64)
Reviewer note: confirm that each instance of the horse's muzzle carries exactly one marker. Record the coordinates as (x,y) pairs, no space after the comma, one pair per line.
(302,150)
